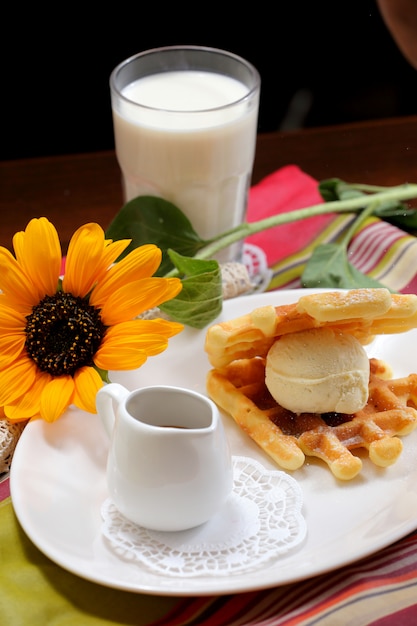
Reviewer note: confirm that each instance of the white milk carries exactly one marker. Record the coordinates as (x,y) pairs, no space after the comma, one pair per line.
(199,159)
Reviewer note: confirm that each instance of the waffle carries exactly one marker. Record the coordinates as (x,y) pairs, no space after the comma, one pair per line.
(363,313)
(288,438)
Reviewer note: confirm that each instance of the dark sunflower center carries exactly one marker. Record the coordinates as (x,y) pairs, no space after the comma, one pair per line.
(63,333)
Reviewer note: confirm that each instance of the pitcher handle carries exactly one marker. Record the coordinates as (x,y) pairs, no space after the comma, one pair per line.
(104,403)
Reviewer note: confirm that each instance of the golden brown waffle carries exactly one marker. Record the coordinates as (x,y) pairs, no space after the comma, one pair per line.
(363,313)
(240,390)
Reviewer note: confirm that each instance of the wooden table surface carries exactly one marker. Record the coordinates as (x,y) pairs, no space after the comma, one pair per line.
(74,189)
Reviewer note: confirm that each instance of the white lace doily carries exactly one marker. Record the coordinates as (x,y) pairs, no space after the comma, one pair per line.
(261,520)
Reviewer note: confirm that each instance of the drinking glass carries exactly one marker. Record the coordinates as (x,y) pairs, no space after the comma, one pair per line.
(185,124)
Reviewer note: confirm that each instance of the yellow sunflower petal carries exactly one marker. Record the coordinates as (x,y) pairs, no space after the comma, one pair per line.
(127,358)
(131,300)
(112,251)
(127,345)
(18,290)
(84,263)
(87,382)
(38,251)
(16,380)
(56,397)
(121,356)
(134,328)
(141,263)
(14,417)
(11,321)
(12,335)
(28,405)
(11,346)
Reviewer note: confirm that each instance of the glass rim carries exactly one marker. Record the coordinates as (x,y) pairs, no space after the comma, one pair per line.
(117,91)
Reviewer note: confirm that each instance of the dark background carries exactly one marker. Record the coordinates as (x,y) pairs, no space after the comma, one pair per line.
(321,63)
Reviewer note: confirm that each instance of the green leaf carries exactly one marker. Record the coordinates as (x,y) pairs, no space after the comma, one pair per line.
(399,214)
(391,210)
(334,189)
(329,266)
(148,219)
(200,300)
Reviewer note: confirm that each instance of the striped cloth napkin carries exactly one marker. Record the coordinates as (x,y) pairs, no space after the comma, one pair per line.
(379,249)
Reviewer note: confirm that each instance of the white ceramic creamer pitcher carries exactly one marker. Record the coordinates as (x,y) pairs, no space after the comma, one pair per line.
(169,465)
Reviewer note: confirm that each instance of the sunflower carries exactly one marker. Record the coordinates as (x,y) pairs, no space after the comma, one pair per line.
(59,337)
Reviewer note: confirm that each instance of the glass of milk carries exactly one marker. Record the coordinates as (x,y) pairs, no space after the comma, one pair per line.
(185,123)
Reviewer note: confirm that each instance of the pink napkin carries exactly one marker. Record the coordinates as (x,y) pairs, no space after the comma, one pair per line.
(4,489)
(287,189)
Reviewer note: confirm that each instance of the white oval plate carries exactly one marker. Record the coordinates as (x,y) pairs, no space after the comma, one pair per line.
(58,483)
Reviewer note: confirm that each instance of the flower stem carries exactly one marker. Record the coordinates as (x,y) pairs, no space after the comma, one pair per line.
(357,223)
(400,192)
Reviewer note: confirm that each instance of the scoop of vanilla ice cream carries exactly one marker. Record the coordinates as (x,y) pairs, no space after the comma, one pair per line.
(318,371)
